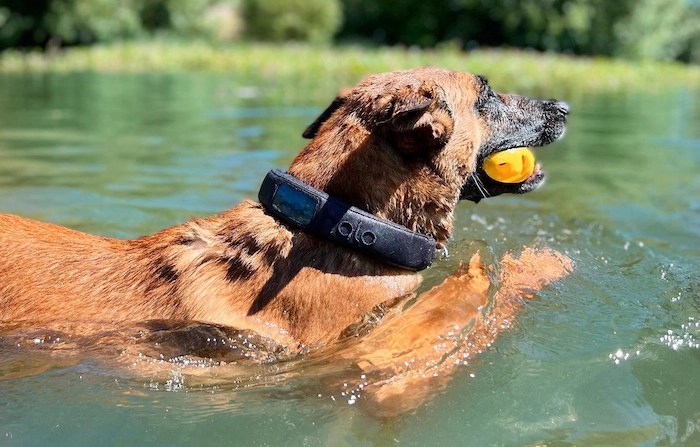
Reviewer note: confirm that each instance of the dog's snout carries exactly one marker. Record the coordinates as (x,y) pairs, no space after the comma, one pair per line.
(562,106)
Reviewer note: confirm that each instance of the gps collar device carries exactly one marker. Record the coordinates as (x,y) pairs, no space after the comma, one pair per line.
(314,211)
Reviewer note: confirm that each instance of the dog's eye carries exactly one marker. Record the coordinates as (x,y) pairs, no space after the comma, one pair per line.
(487,98)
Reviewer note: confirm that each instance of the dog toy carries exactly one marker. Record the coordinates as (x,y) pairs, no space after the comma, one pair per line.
(510,166)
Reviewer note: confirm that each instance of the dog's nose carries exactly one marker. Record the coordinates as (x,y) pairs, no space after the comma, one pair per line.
(563,107)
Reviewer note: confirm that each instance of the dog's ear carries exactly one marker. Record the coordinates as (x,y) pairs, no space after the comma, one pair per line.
(312,130)
(419,117)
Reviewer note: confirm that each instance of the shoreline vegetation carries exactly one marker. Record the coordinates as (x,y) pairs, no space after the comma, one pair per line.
(516,70)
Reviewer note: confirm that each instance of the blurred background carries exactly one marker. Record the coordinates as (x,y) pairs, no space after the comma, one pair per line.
(123,117)
(667,30)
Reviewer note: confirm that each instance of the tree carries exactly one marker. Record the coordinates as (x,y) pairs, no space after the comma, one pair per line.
(301,20)
(661,30)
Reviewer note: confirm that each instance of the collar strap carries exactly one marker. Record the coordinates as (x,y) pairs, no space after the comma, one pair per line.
(314,211)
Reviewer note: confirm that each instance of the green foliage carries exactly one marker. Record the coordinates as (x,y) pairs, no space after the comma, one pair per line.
(300,20)
(660,30)
(635,29)
(322,70)
(656,29)
(21,22)
(578,26)
(84,21)
(581,26)
(25,23)
(211,19)
(410,22)
(188,18)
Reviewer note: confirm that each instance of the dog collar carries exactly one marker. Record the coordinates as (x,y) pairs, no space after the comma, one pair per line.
(315,211)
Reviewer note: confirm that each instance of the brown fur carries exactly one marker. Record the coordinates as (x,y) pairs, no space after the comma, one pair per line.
(400,145)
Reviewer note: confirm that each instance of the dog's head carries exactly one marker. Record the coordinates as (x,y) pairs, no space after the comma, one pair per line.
(408,145)
(512,121)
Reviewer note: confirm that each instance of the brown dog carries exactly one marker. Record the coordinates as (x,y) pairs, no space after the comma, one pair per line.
(403,146)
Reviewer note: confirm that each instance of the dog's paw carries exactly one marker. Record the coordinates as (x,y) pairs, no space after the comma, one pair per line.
(471,276)
(533,269)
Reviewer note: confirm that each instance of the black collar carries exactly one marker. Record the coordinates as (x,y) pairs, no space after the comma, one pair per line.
(304,207)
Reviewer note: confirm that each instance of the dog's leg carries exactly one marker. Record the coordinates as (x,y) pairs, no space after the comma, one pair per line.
(407,358)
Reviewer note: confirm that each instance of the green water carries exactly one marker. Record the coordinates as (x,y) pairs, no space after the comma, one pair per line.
(607,357)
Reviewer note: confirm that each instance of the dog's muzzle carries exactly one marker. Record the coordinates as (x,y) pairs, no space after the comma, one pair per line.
(523,122)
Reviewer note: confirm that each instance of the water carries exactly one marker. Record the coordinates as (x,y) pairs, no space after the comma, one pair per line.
(609,356)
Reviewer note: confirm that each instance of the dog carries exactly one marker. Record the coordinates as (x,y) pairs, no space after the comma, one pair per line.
(338,237)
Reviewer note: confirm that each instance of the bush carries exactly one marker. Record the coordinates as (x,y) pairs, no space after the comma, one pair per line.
(578,26)
(301,20)
(70,22)
(199,18)
(660,30)
(418,22)
(21,22)
(85,21)
(638,29)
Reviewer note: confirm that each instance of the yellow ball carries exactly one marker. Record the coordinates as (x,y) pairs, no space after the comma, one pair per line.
(510,166)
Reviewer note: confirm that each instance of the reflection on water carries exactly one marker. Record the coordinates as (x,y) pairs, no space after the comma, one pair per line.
(607,357)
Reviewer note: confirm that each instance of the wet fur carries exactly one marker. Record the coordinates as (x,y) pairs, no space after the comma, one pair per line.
(405,146)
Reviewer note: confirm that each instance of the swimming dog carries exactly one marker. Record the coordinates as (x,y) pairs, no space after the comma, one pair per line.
(341,234)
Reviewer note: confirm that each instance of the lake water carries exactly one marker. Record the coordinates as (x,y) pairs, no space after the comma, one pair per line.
(607,357)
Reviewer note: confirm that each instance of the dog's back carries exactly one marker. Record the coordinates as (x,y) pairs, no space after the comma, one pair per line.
(400,146)
(52,273)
